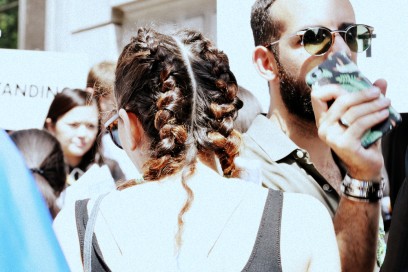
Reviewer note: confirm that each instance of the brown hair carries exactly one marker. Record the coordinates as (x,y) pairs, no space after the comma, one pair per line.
(101,78)
(265,29)
(44,157)
(185,101)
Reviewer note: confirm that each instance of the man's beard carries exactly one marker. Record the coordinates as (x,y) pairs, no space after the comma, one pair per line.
(295,95)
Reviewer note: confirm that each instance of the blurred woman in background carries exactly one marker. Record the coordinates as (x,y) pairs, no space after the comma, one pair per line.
(73,119)
(45,159)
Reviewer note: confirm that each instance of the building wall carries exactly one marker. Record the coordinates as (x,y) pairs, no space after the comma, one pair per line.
(169,16)
(100,28)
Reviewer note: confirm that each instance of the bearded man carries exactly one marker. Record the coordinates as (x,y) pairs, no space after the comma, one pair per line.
(310,141)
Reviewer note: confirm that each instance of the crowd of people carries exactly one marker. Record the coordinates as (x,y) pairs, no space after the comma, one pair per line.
(184,172)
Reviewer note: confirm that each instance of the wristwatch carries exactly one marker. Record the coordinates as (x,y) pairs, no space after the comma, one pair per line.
(362,190)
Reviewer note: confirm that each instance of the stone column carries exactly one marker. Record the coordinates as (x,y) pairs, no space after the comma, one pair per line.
(31,29)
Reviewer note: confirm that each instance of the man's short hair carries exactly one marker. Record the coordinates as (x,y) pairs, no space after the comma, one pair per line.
(264,28)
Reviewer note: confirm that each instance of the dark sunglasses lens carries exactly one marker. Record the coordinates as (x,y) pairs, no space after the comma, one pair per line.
(317,41)
(358,38)
(114,133)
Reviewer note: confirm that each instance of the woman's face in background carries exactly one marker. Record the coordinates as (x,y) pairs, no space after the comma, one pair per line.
(76,130)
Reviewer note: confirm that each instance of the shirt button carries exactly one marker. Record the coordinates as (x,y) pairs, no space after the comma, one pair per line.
(326,187)
(299,154)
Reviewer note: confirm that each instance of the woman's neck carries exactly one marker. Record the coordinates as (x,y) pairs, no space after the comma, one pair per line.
(204,166)
(209,160)
(73,161)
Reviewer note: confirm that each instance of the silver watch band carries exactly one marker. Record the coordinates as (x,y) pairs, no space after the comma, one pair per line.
(362,190)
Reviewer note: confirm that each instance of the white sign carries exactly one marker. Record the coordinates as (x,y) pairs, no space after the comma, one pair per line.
(29,80)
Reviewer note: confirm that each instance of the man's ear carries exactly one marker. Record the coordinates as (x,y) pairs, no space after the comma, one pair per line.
(132,127)
(265,63)
(50,126)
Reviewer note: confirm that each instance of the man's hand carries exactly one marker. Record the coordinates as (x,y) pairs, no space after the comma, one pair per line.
(359,111)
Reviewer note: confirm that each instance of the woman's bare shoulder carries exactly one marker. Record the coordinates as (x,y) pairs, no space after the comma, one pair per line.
(307,235)
(303,202)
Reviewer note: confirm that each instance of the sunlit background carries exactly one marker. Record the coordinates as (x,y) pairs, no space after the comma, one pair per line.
(97,30)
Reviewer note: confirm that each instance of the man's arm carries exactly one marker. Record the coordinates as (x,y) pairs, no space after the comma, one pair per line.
(356,227)
(356,223)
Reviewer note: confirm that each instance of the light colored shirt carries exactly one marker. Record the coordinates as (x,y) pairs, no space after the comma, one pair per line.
(287,167)
(284,165)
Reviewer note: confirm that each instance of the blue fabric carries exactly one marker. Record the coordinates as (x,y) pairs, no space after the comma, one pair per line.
(27,240)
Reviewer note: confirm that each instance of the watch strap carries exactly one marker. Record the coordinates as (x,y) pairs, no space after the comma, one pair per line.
(362,190)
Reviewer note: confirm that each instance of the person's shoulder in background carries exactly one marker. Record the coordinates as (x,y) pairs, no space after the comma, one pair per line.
(115,169)
(246,115)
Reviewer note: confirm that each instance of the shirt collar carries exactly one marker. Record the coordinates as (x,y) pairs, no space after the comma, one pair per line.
(271,138)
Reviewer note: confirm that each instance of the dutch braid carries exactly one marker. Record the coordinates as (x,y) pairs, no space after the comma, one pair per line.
(156,78)
(184,95)
(217,91)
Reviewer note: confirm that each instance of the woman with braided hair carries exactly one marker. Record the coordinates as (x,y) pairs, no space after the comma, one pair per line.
(177,100)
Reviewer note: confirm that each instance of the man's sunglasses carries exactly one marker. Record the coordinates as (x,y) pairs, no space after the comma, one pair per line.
(318,40)
(112,127)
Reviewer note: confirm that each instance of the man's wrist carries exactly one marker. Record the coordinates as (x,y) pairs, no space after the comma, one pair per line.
(362,190)
(375,176)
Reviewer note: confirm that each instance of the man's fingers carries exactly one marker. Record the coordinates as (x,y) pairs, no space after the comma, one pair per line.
(382,84)
(367,108)
(360,126)
(327,93)
(352,106)
(321,98)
